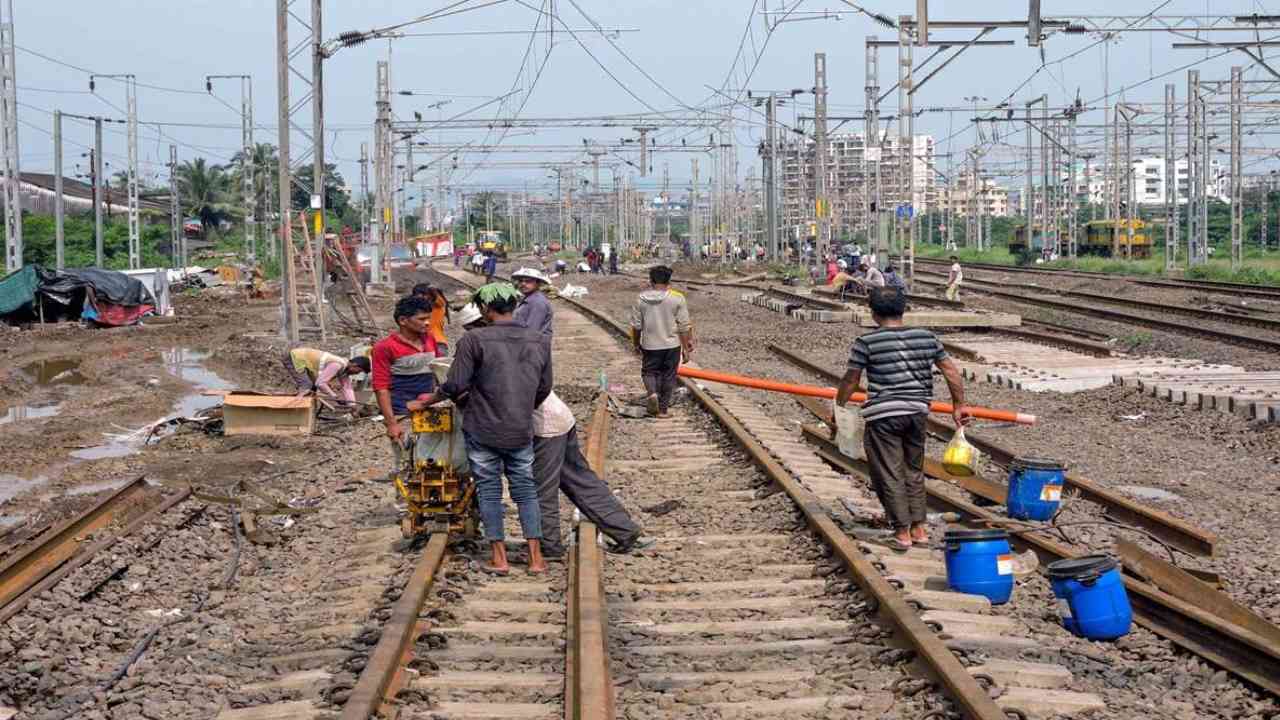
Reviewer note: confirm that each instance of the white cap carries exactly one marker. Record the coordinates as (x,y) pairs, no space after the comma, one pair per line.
(469,314)
(532,273)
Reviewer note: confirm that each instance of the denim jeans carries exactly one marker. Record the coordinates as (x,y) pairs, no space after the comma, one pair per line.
(488,465)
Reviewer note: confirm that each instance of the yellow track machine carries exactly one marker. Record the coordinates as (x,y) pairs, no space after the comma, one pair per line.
(435,479)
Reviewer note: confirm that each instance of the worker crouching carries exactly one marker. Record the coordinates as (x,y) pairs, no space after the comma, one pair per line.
(499,375)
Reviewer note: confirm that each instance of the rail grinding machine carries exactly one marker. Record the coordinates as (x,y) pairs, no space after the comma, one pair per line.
(434,477)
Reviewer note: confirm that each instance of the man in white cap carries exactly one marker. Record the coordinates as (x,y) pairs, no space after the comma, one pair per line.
(534,311)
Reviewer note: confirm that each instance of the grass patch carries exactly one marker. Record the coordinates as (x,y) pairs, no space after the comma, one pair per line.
(998,255)
(1253,274)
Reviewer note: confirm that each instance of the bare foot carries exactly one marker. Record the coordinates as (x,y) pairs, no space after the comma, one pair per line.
(537,564)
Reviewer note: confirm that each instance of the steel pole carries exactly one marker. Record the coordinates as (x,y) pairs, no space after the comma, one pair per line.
(97,192)
(59,203)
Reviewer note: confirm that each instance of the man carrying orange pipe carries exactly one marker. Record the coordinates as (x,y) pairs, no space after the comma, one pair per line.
(899,361)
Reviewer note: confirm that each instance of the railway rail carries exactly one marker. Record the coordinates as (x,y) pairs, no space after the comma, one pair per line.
(1230,318)
(1232,288)
(47,559)
(1119,316)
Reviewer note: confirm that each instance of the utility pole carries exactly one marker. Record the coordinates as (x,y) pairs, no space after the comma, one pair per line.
(177,238)
(666,196)
(1193,167)
(906,137)
(285,180)
(821,209)
(695,216)
(317,157)
(135,227)
(644,148)
(9,162)
(247,168)
(1237,180)
(382,168)
(1028,202)
(1170,180)
(59,209)
(1073,197)
(364,192)
(770,182)
(96,162)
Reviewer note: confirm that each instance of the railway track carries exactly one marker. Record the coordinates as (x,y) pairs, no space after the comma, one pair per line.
(1230,288)
(1229,318)
(48,558)
(1118,315)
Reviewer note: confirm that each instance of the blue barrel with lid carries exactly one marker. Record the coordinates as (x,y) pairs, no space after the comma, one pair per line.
(1092,599)
(980,562)
(1035,488)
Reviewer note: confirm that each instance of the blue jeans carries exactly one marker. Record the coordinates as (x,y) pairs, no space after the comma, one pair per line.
(488,464)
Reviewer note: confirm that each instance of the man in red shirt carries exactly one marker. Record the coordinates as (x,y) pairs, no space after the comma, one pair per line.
(402,367)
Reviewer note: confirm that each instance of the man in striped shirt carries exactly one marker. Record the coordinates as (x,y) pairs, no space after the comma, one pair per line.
(899,364)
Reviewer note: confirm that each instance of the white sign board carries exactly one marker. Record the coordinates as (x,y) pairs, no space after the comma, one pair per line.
(316,202)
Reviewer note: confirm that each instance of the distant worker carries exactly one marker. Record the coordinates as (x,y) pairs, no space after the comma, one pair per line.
(402,368)
(490,266)
(504,372)
(899,363)
(439,315)
(534,311)
(613,263)
(477,262)
(893,279)
(663,334)
(954,278)
(559,466)
(315,370)
(871,277)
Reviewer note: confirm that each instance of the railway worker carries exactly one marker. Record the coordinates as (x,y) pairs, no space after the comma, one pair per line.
(439,315)
(559,466)
(954,278)
(534,310)
(893,279)
(490,266)
(477,262)
(402,368)
(504,372)
(898,362)
(315,370)
(663,334)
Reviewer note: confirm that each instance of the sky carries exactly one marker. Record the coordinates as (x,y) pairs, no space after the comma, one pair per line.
(679,52)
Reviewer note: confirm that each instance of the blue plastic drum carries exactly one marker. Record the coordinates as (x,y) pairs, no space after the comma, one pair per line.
(1091,595)
(1035,488)
(980,562)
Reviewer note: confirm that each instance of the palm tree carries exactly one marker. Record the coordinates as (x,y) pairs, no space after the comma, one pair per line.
(202,189)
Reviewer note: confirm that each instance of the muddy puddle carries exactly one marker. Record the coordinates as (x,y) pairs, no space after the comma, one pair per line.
(184,364)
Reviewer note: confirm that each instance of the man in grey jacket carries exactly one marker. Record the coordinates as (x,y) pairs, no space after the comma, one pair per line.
(534,310)
(663,335)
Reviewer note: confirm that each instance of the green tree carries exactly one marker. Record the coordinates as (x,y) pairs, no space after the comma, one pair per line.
(336,199)
(202,191)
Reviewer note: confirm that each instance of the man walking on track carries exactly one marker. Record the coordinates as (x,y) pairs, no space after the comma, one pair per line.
(559,465)
(899,363)
(954,278)
(662,333)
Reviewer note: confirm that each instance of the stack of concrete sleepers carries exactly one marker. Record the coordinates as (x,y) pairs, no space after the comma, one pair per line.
(794,309)
(1251,395)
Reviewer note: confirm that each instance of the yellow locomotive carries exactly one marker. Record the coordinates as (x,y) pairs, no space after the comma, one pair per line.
(1109,238)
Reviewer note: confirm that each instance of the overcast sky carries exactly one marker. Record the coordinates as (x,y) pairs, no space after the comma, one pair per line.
(685,45)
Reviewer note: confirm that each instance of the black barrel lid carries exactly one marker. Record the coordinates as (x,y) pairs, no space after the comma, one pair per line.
(1037,464)
(966,535)
(1087,566)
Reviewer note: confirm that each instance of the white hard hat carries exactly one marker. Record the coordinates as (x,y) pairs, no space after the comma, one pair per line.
(469,314)
(531,273)
(842,264)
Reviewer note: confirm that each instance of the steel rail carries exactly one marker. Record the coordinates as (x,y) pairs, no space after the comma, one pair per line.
(910,630)
(386,663)
(1178,533)
(61,543)
(1215,315)
(1245,654)
(1247,289)
(1130,318)
(590,678)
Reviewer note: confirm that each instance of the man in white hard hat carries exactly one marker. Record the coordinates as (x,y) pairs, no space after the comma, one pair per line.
(534,311)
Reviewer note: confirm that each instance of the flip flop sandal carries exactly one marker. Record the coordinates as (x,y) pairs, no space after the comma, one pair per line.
(899,546)
(487,568)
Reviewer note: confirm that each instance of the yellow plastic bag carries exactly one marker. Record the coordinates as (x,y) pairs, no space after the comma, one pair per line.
(960,458)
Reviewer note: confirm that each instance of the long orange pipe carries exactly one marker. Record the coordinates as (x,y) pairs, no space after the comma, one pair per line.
(830,393)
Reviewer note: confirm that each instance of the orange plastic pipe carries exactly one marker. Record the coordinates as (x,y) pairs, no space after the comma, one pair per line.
(830,393)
